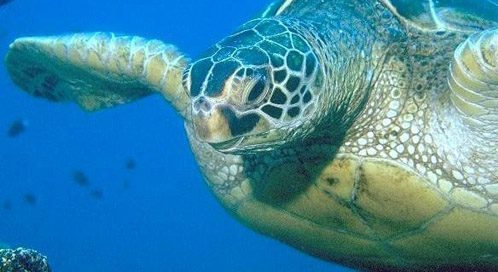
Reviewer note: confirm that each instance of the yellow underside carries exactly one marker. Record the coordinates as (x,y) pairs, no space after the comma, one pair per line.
(370,215)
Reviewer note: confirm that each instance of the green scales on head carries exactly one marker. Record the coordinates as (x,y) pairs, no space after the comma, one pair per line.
(359,131)
(263,78)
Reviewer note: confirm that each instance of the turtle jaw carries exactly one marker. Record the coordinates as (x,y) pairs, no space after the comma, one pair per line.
(261,142)
(228,132)
(211,127)
(230,146)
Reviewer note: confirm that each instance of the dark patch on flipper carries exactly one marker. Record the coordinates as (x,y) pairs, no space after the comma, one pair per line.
(96,70)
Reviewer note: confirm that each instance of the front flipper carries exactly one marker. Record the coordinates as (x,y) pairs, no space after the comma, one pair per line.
(98,70)
(473,79)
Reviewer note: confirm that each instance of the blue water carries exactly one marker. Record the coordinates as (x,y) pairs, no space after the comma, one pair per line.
(167,220)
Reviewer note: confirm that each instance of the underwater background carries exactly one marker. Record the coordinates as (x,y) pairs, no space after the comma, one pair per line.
(119,190)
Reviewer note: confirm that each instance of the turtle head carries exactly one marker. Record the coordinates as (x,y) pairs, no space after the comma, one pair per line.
(253,90)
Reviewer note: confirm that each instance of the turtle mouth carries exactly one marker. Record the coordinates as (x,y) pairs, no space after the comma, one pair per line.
(251,143)
(229,146)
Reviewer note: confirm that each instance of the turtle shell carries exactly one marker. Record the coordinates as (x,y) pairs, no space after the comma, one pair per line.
(445,14)
(365,213)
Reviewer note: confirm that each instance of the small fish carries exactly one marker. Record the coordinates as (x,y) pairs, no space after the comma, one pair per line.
(130,164)
(80,178)
(7,205)
(30,199)
(17,128)
(3,2)
(126,184)
(96,193)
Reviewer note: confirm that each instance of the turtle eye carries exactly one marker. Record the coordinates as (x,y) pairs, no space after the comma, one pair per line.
(257,91)
(256,86)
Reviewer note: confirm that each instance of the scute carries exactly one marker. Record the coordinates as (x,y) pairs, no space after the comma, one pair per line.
(462,236)
(331,191)
(318,241)
(344,198)
(393,200)
(367,213)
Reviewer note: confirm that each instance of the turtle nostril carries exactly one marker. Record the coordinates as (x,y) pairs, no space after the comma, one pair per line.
(202,104)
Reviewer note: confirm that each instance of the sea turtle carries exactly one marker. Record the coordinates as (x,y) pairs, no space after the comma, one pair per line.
(360,131)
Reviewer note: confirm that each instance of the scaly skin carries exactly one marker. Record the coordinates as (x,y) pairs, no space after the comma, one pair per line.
(388,114)
(363,147)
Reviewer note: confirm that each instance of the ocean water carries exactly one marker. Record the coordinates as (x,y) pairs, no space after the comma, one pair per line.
(165,219)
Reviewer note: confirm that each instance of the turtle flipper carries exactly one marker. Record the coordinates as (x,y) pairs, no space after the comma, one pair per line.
(97,70)
(473,79)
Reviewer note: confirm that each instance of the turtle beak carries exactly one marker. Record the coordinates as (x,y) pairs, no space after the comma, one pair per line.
(226,129)
(210,124)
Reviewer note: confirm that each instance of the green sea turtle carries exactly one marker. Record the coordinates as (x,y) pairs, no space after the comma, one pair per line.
(360,131)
